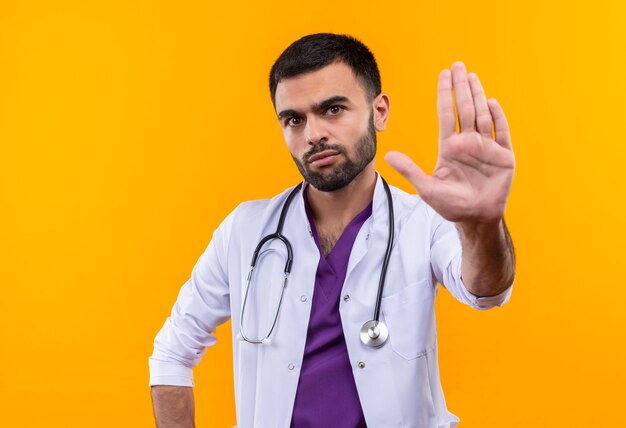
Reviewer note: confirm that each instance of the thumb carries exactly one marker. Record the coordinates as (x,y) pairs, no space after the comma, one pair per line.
(409,170)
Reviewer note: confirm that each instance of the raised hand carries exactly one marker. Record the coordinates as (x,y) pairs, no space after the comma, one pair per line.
(474,171)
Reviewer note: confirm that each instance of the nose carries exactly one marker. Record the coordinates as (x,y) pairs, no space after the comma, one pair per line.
(314,132)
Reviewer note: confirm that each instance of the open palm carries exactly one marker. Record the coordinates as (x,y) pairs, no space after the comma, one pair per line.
(474,171)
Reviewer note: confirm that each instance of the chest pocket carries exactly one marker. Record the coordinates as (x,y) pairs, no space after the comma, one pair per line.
(410,318)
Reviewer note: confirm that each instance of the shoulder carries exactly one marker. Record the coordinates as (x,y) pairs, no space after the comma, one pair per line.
(414,213)
(258,206)
(410,204)
(256,211)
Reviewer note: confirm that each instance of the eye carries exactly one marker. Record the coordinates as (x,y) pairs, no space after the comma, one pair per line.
(333,110)
(293,121)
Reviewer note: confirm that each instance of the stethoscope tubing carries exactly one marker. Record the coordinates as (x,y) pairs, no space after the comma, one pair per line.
(288,263)
(383,272)
(373,333)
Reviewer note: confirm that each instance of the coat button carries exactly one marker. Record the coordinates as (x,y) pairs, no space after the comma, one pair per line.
(303,298)
(361,365)
(291,366)
(346,297)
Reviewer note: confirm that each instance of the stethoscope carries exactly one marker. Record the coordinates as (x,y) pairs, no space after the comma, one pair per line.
(374,333)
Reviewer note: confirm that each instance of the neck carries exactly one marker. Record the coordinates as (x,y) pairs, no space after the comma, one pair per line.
(337,209)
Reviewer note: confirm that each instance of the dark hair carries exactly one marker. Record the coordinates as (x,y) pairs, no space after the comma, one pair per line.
(316,51)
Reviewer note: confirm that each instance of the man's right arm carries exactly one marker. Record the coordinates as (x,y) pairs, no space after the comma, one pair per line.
(203,303)
(173,406)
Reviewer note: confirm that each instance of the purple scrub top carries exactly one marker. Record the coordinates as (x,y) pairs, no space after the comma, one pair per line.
(327,394)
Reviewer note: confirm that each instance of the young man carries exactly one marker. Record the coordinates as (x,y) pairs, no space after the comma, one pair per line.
(302,354)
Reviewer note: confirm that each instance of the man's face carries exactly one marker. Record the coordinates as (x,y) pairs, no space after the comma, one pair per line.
(328,124)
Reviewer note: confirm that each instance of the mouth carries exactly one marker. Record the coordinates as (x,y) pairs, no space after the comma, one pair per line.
(323,158)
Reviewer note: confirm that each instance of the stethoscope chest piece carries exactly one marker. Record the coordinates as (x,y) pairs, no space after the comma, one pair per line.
(374,334)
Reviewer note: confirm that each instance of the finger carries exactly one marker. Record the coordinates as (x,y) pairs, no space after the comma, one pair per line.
(501,126)
(484,121)
(409,170)
(464,102)
(445,105)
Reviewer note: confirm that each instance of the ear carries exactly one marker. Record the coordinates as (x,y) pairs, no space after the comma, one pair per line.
(381,111)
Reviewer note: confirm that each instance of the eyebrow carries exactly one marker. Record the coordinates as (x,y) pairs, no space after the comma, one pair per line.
(323,105)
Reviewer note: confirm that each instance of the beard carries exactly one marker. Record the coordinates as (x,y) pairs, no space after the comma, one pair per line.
(345,172)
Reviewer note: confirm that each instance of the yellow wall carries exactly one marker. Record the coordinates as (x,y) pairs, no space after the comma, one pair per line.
(129,129)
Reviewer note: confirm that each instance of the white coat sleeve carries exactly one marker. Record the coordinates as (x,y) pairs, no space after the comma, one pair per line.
(203,303)
(445,260)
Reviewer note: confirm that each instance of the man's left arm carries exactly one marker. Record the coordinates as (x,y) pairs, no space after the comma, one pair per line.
(472,179)
(488,261)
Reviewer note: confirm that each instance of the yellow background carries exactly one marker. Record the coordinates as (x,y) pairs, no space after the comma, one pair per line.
(129,129)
